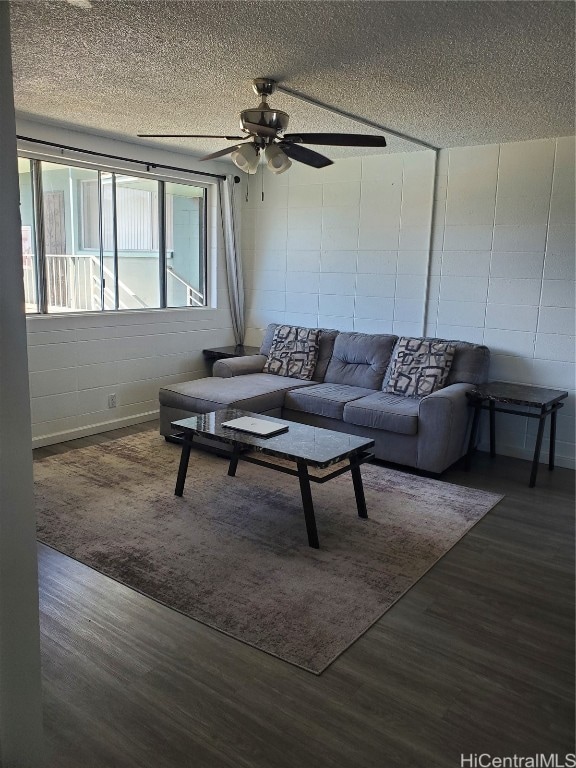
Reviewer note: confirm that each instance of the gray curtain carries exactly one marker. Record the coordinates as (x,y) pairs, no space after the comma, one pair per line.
(229,215)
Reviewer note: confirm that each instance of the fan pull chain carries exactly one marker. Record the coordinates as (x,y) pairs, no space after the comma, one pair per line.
(262,177)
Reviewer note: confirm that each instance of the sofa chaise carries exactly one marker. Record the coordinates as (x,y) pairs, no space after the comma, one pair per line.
(347,393)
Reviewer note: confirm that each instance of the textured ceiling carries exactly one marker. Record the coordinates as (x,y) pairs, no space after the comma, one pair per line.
(449,73)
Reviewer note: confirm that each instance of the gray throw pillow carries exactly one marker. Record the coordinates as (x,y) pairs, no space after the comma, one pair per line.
(294,352)
(419,366)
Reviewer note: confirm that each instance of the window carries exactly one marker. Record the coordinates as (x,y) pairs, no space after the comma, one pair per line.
(185,244)
(72,278)
(110,241)
(138,228)
(130,233)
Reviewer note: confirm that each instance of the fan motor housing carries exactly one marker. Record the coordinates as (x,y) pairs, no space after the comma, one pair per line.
(271,118)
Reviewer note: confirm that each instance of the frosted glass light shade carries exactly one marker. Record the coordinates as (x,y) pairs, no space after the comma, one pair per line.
(277,161)
(246,158)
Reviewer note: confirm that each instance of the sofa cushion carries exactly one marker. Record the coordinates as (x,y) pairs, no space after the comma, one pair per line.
(324,399)
(360,359)
(267,340)
(293,353)
(382,410)
(254,392)
(420,366)
(327,339)
(470,364)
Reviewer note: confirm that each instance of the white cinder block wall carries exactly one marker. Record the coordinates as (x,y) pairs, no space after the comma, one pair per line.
(348,247)
(345,247)
(503,271)
(76,361)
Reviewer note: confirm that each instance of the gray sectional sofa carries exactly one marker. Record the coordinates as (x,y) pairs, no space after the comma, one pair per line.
(346,394)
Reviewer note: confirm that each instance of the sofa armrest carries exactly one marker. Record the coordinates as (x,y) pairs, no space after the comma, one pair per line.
(443,422)
(238,366)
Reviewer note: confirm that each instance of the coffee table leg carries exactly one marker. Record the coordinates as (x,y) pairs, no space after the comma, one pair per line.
(183,468)
(234,461)
(358,489)
(306,492)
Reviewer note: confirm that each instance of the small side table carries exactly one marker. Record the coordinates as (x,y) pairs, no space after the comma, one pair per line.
(220,353)
(496,396)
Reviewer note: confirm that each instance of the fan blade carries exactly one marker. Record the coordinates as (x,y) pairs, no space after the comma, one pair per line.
(304,155)
(190,136)
(337,139)
(221,152)
(259,130)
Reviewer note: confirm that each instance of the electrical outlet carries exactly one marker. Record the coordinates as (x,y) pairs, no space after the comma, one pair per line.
(112,400)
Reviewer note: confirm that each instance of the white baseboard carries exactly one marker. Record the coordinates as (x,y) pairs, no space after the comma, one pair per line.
(93,429)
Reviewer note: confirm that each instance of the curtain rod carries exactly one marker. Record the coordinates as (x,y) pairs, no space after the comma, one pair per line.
(117,157)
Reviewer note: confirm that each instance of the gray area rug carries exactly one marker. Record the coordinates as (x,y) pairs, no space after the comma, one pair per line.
(233,553)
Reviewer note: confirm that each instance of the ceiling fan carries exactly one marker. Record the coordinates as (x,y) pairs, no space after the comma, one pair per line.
(264,128)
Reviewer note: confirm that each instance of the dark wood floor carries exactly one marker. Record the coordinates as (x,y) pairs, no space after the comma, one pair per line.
(477,657)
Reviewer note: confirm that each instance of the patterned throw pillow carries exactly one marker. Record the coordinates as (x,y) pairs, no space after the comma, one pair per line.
(294,352)
(420,366)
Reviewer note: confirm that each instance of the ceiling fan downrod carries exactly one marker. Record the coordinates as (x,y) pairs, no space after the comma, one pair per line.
(263,87)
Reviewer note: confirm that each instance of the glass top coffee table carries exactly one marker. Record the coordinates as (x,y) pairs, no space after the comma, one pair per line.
(306,446)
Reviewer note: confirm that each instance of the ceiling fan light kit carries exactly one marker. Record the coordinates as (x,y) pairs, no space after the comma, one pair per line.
(266,128)
(277,161)
(245,157)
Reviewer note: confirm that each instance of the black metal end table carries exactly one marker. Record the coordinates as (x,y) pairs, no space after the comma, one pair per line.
(496,396)
(221,353)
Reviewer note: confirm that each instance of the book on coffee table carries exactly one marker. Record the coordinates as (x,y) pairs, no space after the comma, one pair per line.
(258,427)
